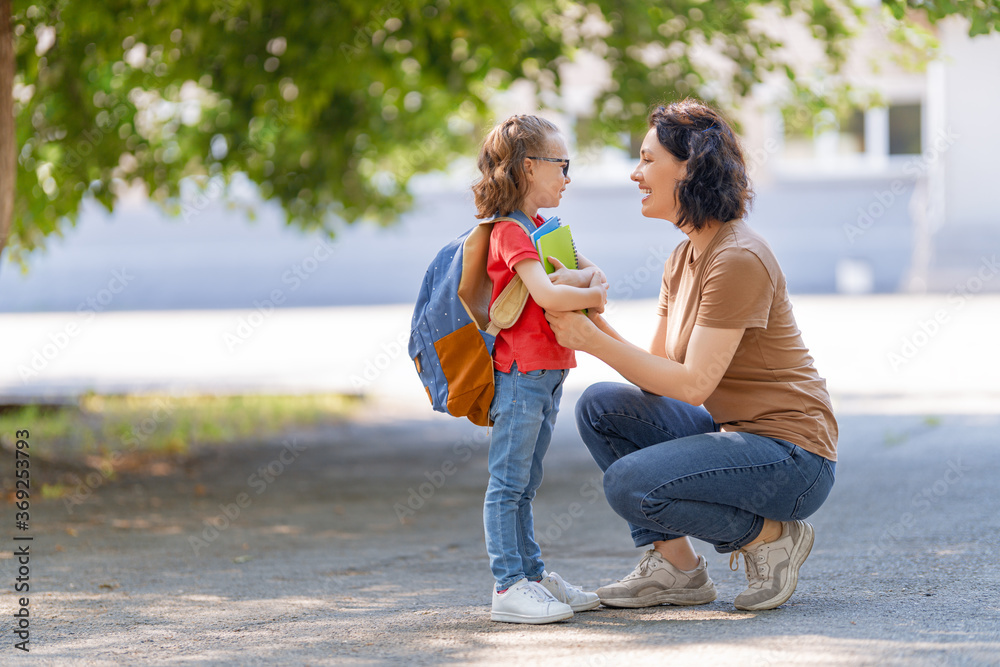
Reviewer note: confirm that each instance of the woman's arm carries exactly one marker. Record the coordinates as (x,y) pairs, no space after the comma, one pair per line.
(659,345)
(559,297)
(708,355)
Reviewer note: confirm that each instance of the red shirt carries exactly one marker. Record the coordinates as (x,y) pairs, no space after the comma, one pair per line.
(530,342)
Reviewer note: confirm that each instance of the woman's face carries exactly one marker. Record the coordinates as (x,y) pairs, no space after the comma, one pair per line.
(657,174)
(546,178)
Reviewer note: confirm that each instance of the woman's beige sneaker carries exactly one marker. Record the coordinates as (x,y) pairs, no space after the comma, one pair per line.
(773,567)
(655,581)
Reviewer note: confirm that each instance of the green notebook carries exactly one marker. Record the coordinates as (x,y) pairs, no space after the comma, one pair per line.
(559,244)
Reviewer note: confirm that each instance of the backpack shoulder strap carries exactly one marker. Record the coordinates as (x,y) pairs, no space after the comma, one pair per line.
(510,303)
(516,216)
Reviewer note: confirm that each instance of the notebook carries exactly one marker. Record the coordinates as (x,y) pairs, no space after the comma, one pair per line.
(544,228)
(557,243)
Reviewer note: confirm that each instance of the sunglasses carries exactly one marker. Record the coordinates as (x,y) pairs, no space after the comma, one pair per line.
(565,166)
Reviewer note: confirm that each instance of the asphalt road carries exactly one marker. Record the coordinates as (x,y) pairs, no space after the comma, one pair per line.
(365,547)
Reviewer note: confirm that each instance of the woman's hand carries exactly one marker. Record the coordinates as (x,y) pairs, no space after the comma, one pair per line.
(572,329)
(597,280)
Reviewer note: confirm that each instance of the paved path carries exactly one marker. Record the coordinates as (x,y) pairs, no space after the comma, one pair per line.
(879,353)
(365,547)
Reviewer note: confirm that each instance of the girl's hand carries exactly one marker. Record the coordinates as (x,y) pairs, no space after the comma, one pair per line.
(572,329)
(571,277)
(576,278)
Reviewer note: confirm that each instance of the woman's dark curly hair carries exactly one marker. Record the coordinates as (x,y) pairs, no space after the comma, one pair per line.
(716,186)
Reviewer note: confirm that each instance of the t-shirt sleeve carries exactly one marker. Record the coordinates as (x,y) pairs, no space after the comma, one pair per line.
(737,292)
(511,244)
(664,301)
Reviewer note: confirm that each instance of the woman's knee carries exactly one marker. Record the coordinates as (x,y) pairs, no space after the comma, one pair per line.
(619,487)
(596,401)
(816,495)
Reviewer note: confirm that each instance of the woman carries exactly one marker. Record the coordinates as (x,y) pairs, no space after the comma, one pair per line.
(744,470)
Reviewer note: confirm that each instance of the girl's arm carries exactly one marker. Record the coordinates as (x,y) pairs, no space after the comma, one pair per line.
(559,297)
(708,356)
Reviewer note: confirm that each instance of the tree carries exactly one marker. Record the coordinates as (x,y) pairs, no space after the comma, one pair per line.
(330,108)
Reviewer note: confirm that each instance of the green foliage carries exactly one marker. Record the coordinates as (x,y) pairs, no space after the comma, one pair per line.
(983,15)
(331,107)
(103,425)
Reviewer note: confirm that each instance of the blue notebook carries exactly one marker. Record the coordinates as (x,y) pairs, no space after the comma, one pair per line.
(543,229)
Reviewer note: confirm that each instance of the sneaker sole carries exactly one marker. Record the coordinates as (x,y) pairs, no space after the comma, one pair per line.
(506,617)
(796,561)
(682,598)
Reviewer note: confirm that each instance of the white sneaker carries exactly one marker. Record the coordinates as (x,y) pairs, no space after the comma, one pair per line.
(576,598)
(528,602)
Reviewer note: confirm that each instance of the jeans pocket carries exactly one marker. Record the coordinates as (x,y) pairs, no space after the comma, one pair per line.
(534,375)
(814,497)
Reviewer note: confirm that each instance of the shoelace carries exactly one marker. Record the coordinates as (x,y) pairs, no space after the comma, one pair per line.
(642,567)
(752,563)
(539,592)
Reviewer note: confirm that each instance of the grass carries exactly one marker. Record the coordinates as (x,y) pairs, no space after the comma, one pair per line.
(100,425)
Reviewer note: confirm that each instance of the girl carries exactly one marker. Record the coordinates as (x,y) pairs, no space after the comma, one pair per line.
(525,167)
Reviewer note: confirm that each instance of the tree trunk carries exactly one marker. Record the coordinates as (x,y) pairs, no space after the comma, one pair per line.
(8,138)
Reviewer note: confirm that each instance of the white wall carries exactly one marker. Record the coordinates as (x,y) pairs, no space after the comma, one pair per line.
(972,110)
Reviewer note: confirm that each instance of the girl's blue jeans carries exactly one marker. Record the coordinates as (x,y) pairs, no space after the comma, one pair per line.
(524,413)
(670,472)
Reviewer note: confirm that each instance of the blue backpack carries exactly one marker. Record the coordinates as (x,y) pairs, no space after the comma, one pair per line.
(454,328)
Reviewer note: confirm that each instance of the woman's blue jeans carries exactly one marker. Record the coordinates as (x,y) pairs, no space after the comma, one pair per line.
(524,412)
(670,472)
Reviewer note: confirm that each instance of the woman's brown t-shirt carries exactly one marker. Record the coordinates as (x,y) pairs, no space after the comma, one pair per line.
(771,387)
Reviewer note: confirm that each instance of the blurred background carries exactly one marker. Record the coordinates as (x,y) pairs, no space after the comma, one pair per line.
(233,197)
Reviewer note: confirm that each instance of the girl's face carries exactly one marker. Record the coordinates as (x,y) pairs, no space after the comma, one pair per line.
(657,174)
(545,179)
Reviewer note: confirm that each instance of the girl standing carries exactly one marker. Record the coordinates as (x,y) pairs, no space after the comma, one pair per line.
(525,167)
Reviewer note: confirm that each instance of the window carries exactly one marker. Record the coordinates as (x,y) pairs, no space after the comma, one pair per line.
(904,129)
(871,140)
(851,135)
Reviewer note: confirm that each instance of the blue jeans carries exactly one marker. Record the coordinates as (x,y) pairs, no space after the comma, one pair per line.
(670,472)
(524,413)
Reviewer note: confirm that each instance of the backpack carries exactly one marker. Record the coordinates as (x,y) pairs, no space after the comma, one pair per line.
(454,328)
